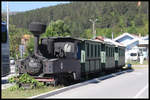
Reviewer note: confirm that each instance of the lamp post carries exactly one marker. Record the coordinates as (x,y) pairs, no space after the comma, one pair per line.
(94,31)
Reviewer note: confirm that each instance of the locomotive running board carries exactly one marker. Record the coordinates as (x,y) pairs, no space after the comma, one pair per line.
(45,79)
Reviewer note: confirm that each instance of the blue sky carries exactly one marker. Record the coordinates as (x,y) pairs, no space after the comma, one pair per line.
(16,6)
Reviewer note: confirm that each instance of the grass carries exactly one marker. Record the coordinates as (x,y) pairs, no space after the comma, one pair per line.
(134,63)
(7,93)
(145,62)
(138,67)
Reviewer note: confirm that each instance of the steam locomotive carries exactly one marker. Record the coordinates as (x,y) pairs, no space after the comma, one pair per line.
(58,59)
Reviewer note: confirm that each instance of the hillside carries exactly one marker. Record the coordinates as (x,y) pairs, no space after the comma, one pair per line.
(77,14)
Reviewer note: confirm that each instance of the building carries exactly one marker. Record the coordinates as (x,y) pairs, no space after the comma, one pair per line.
(133,43)
(144,46)
(25,39)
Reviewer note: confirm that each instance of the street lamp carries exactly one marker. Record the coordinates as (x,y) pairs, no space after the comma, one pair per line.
(94,31)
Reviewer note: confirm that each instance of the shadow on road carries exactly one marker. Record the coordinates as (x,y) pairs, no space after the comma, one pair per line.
(99,79)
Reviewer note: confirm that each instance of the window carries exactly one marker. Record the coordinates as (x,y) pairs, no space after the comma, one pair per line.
(95,50)
(109,52)
(106,51)
(113,51)
(91,50)
(87,46)
(64,48)
(4,33)
(133,54)
(98,50)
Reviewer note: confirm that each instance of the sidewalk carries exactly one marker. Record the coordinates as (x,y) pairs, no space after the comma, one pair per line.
(4,80)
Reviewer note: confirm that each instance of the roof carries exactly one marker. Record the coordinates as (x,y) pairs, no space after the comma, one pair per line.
(113,42)
(131,41)
(74,38)
(124,34)
(145,37)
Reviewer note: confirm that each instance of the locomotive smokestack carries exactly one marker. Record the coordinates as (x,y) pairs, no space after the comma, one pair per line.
(37,29)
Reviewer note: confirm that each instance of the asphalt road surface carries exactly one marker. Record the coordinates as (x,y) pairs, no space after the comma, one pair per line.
(127,85)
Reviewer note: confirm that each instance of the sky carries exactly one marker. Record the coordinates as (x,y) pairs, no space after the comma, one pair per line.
(15,6)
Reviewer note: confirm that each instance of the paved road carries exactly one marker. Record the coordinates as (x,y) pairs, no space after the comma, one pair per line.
(127,85)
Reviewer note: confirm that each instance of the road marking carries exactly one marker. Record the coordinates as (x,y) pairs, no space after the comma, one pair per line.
(141,91)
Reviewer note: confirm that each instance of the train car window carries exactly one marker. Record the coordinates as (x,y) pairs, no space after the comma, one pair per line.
(87,49)
(106,51)
(98,50)
(119,51)
(91,50)
(99,53)
(113,52)
(116,49)
(69,47)
(79,51)
(95,50)
(110,51)
(60,48)
(103,47)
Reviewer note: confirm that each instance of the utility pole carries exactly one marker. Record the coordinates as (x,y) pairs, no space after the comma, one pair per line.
(112,35)
(94,31)
(7,18)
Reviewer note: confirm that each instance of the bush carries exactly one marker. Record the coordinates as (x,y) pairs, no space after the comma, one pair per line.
(25,79)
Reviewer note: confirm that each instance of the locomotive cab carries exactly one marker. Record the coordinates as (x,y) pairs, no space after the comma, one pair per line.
(61,56)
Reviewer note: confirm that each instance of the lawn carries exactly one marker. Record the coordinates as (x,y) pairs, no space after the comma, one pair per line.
(7,93)
(145,62)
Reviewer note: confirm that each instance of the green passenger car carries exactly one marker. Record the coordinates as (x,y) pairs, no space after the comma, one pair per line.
(91,57)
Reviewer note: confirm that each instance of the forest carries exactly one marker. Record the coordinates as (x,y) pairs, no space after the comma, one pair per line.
(73,18)
(116,17)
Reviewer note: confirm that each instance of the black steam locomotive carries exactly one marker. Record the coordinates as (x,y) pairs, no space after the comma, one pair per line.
(58,59)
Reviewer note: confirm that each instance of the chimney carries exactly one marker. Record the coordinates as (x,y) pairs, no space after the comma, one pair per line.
(37,29)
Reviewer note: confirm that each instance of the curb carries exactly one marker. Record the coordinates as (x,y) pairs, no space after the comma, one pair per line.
(57,91)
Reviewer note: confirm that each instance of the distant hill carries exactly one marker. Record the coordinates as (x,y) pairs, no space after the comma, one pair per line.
(77,14)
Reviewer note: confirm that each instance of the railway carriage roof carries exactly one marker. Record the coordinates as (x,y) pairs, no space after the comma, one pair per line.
(73,38)
(82,39)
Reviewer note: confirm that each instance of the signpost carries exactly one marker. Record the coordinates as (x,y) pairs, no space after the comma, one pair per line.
(21,49)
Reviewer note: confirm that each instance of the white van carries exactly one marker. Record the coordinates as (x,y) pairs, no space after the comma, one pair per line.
(134,56)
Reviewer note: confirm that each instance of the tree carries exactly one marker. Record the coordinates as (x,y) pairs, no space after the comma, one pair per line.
(29,47)
(57,28)
(87,34)
(15,35)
